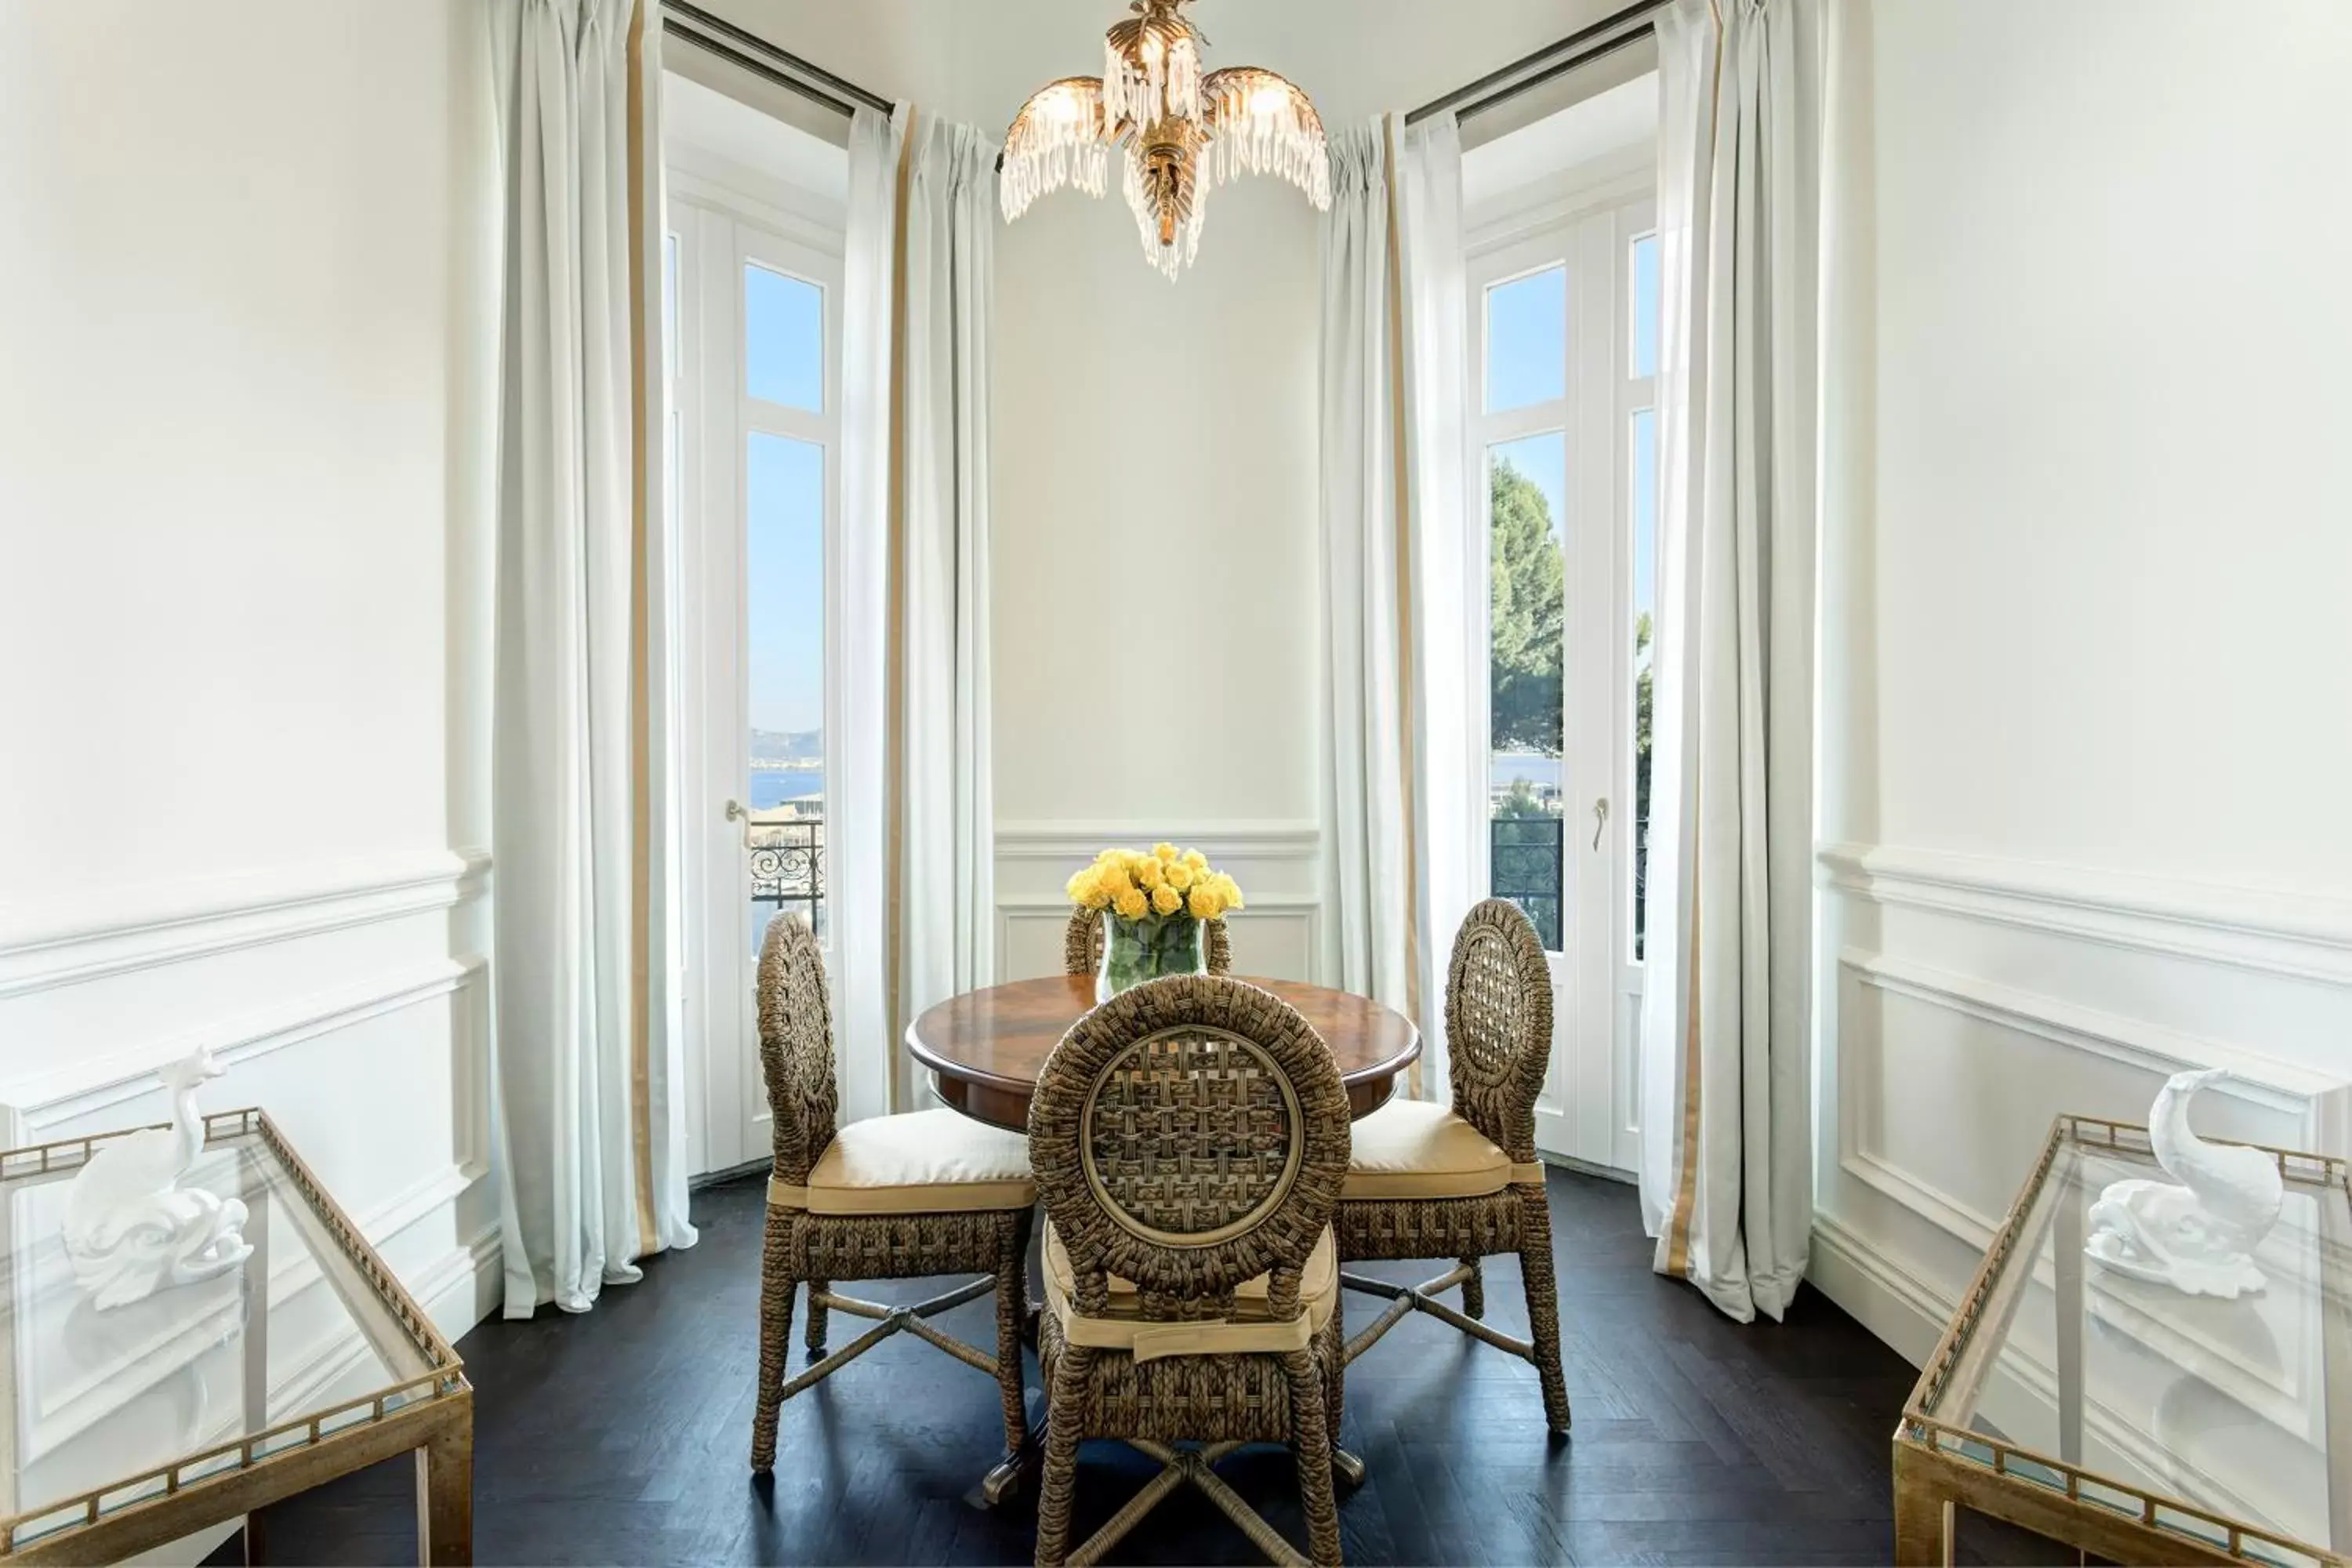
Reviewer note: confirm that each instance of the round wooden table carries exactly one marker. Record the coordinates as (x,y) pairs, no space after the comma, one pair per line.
(986,1047)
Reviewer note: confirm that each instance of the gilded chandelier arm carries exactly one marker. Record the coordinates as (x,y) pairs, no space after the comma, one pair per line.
(1059,138)
(1260,124)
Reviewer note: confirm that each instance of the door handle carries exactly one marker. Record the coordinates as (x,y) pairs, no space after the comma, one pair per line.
(1600,819)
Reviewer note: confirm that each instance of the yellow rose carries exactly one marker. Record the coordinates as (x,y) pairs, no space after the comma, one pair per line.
(1194,859)
(1181,877)
(1150,874)
(1204,903)
(1130,904)
(1165,851)
(1229,890)
(1166,900)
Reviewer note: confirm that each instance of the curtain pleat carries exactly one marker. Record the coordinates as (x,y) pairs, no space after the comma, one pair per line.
(1726,1164)
(946,921)
(1397,552)
(589,1175)
(857,827)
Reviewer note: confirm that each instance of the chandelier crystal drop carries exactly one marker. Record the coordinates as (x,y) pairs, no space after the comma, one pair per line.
(1180,134)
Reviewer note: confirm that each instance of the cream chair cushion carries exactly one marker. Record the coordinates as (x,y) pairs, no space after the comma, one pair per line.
(1411,1149)
(925,1162)
(1318,1298)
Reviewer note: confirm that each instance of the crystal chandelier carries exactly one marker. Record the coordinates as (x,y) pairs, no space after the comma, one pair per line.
(1185,133)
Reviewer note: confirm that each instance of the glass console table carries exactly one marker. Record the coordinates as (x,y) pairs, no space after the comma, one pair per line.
(132,1427)
(2123,1418)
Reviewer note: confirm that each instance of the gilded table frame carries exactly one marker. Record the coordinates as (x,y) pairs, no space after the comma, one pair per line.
(1940,1467)
(430,1415)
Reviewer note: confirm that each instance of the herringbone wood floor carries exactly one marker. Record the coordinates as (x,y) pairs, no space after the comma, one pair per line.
(621,1437)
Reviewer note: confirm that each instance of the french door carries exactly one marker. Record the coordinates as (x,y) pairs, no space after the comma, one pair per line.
(1564,324)
(754,307)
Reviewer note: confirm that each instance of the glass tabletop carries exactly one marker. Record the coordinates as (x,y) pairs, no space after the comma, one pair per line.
(2146,1396)
(109,1407)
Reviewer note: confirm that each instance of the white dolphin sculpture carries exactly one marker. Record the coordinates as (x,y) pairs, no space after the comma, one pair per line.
(2198,1236)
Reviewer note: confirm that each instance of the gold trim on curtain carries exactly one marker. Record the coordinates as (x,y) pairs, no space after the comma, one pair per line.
(1402,481)
(641,1123)
(895,676)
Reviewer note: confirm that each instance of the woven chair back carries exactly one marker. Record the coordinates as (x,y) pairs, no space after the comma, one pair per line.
(796,1046)
(1189,1135)
(1498,1023)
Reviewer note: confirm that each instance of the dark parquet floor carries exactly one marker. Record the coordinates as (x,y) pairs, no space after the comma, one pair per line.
(621,1437)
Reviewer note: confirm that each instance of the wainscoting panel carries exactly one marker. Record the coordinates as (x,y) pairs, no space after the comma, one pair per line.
(1968,1001)
(1279,864)
(350,1003)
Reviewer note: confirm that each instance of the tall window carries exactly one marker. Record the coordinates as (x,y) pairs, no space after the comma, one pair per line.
(1566,322)
(756,381)
(1525,434)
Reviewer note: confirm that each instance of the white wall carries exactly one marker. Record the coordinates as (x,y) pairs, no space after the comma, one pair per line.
(2087,658)
(1158,438)
(246,294)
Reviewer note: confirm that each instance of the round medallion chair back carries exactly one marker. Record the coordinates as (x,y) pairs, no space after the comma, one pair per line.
(796,1047)
(1189,1138)
(1082,943)
(1188,1135)
(1498,1025)
(1464,1182)
(867,1202)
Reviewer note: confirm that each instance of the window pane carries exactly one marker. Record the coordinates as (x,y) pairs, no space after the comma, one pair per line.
(783,339)
(1526,485)
(1527,340)
(1644,490)
(783,575)
(1645,305)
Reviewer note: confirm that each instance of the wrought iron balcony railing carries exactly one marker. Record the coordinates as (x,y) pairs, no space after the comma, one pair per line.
(787,871)
(1525,858)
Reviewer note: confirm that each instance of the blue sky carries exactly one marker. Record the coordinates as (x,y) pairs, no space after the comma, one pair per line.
(783,496)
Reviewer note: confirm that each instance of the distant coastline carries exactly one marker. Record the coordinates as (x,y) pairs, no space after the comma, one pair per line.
(772,786)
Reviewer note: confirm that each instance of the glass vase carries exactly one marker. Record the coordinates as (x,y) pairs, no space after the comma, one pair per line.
(1137,951)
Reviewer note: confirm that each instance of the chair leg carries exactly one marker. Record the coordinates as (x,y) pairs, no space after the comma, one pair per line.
(1311,1435)
(1011,1317)
(776,1286)
(1058,1486)
(1474,1289)
(1543,1303)
(817,1315)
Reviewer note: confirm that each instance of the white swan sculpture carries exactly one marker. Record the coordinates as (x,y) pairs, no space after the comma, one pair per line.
(2198,1237)
(131,1229)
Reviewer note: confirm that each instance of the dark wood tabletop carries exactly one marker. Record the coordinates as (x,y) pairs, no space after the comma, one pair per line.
(986,1048)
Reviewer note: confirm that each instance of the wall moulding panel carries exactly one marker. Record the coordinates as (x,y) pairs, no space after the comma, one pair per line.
(86,1087)
(1278,863)
(180,922)
(2289,934)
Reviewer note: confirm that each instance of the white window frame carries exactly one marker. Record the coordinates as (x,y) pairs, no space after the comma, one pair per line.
(721,229)
(1588,1112)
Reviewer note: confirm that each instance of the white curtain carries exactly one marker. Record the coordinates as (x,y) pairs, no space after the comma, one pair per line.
(1726,1143)
(856,829)
(1449,750)
(1368,869)
(1401,753)
(946,832)
(591,1176)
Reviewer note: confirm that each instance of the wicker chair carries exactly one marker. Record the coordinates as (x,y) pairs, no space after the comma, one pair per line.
(1082,945)
(893,1197)
(1190,1138)
(1426,1181)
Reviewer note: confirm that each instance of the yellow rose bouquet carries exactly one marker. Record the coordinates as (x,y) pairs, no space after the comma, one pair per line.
(1152,902)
